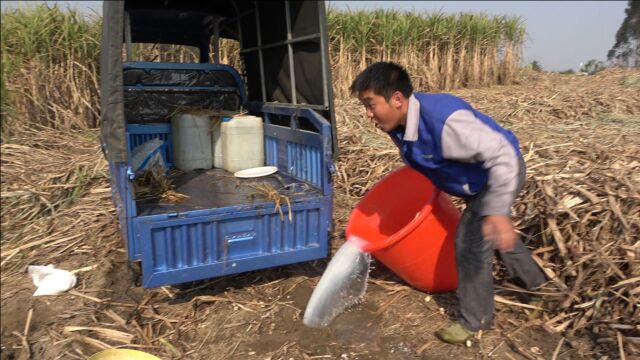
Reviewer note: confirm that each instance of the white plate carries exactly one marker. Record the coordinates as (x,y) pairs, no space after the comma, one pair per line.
(256,172)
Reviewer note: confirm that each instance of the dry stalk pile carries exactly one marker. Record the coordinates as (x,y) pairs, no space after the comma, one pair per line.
(153,183)
(53,184)
(580,209)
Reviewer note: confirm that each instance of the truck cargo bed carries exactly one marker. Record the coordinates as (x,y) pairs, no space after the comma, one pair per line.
(229,225)
(217,188)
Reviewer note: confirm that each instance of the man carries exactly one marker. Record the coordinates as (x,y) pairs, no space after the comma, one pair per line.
(467,154)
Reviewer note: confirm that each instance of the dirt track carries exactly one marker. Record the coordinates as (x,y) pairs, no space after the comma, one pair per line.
(257,315)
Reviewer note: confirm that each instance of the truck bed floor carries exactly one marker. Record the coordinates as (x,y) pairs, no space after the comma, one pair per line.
(217,188)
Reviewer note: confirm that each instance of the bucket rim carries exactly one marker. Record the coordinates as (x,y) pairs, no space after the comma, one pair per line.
(423,213)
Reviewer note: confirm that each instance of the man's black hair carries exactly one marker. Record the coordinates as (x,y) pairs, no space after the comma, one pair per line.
(384,78)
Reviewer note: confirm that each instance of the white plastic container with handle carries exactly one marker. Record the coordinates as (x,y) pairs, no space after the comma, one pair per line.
(191,141)
(242,142)
(218,155)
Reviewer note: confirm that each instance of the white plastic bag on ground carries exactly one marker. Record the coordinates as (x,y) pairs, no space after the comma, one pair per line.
(51,281)
(342,284)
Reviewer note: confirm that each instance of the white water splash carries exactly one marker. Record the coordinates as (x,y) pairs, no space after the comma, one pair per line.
(343,284)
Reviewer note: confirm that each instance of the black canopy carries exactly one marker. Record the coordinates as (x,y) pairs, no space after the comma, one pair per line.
(283,45)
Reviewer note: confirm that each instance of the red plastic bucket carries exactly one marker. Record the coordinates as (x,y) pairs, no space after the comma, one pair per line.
(409,225)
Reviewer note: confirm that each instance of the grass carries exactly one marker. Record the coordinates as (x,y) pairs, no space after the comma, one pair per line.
(440,51)
(81,180)
(48,34)
(50,57)
(631,80)
(49,67)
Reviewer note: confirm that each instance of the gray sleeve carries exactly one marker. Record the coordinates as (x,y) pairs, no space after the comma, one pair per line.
(466,138)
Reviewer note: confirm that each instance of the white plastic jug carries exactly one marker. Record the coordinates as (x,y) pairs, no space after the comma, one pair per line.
(191,141)
(242,142)
(216,149)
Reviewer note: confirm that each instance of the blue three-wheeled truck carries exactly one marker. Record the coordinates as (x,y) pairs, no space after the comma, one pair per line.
(220,226)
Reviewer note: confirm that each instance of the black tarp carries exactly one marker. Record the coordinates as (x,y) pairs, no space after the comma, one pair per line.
(191,23)
(176,77)
(153,95)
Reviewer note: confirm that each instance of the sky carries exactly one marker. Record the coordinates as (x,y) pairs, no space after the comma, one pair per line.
(561,34)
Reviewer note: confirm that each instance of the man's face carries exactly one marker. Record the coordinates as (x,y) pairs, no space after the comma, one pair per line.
(386,115)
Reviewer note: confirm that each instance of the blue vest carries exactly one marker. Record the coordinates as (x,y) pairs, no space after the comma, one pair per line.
(425,154)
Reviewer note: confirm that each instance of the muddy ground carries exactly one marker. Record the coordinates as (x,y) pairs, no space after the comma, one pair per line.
(255,315)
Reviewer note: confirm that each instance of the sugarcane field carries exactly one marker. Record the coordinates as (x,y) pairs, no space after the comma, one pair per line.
(115,236)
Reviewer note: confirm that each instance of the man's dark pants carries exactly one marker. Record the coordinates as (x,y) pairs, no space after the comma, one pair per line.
(474,258)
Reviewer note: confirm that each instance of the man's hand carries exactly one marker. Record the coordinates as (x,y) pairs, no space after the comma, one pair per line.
(499,229)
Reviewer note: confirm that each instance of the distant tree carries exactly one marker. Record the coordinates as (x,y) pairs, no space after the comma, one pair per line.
(626,50)
(567,72)
(592,66)
(535,66)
